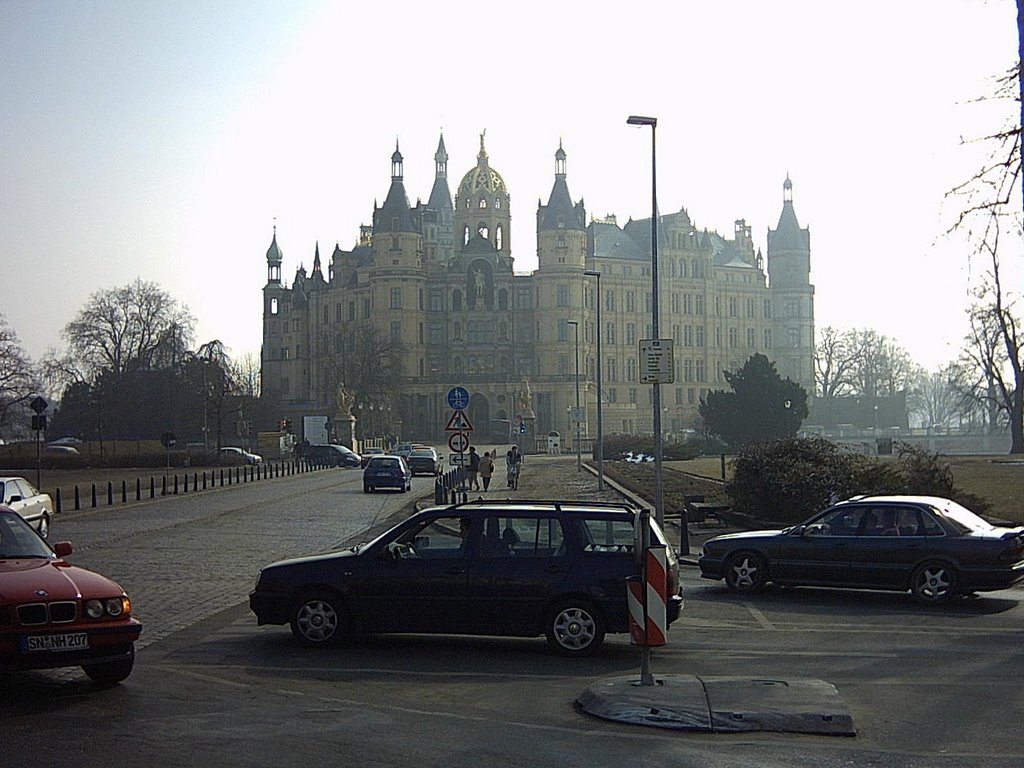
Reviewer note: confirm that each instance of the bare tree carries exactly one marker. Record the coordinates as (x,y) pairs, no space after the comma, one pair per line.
(934,400)
(246,372)
(991,205)
(18,379)
(136,326)
(833,363)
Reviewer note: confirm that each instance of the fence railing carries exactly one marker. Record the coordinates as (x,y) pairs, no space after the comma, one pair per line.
(179,483)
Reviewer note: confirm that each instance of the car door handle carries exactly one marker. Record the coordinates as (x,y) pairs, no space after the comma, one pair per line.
(455,572)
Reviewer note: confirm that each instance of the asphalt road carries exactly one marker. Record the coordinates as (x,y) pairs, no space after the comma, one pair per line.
(925,687)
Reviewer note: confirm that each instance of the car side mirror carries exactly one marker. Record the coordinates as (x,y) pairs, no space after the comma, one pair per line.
(16,497)
(816,529)
(63,548)
(421,542)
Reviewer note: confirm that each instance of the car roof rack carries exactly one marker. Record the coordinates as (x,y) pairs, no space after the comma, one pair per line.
(482,503)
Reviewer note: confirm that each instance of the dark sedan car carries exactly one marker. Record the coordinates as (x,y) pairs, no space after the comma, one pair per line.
(425,461)
(387,471)
(332,455)
(520,569)
(931,546)
(55,614)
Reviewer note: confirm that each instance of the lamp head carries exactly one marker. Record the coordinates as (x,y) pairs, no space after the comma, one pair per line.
(640,120)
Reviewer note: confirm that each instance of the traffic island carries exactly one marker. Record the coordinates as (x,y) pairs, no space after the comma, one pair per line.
(721,704)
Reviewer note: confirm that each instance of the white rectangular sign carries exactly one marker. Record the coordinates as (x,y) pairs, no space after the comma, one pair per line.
(657,361)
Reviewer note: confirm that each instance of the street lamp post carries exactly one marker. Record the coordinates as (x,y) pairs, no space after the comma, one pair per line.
(600,423)
(659,499)
(579,458)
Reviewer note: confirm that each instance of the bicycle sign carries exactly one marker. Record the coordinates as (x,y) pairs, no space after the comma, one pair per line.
(458,398)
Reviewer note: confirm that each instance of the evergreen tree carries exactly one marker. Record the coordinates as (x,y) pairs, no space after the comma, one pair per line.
(761,406)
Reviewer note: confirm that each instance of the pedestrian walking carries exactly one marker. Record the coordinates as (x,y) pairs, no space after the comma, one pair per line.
(486,469)
(473,469)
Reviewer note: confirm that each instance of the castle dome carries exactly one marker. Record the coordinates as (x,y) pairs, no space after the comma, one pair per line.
(482,178)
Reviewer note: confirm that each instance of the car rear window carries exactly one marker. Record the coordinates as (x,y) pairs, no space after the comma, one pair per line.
(606,535)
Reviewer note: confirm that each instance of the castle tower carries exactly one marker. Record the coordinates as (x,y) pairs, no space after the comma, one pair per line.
(482,207)
(561,225)
(439,216)
(396,241)
(792,295)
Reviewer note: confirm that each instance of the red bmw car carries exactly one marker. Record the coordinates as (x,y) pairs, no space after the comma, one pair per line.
(55,614)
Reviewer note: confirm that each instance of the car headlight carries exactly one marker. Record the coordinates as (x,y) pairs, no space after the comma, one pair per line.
(113,607)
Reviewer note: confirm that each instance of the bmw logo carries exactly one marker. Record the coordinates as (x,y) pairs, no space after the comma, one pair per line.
(41,593)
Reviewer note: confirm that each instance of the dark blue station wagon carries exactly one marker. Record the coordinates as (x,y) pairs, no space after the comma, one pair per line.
(509,568)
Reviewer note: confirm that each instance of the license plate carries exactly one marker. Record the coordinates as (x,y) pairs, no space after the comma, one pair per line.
(69,642)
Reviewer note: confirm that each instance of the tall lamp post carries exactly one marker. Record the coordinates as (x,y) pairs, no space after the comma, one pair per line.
(600,423)
(659,499)
(576,416)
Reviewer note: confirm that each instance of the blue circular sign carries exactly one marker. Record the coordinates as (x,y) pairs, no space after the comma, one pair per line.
(458,398)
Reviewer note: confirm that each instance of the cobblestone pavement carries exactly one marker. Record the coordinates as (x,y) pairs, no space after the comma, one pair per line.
(183,559)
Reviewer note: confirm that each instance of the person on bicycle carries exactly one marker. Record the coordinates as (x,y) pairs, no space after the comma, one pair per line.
(513,460)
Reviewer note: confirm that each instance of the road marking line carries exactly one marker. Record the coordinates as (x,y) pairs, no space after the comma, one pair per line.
(759,617)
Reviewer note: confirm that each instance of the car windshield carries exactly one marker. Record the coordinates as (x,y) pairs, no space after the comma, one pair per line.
(18,540)
(422,454)
(384,462)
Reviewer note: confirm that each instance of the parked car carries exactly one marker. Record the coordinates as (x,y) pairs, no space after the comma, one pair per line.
(55,614)
(387,471)
(368,452)
(240,453)
(425,461)
(21,496)
(332,455)
(931,546)
(539,568)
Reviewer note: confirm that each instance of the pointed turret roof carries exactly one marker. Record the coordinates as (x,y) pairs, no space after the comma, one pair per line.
(440,195)
(788,235)
(395,215)
(274,254)
(560,213)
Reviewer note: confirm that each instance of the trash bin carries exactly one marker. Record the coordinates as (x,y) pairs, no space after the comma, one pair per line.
(554,442)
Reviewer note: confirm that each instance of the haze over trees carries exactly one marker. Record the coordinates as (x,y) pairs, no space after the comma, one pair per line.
(18,380)
(990,371)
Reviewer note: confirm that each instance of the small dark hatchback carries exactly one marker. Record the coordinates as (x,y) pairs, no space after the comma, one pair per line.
(510,568)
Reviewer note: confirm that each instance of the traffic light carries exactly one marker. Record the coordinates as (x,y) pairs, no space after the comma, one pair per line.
(522,428)
(285,424)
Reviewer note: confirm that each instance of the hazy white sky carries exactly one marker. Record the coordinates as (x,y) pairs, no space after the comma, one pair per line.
(161,140)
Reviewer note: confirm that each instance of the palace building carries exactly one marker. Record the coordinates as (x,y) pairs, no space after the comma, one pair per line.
(437,280)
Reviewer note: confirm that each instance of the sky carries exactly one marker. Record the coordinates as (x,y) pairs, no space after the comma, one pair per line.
(166,140)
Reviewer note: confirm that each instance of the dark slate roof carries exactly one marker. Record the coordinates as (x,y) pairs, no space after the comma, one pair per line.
(395,206)
(560,205)
(440,195)
(612,243)
(788,236)
(274,252)
(478,244)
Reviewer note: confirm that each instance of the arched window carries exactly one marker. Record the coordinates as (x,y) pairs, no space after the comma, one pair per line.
(465,235)
(483,203)
(498,237)
(273,306)
(457,300)
(482,230)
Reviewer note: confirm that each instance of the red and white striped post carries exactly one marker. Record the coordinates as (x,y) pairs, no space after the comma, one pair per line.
(647,600)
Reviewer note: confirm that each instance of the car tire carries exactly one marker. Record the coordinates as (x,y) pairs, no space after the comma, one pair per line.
(367,489)
(574,627)
(746,572)
(933,583)
(318,619)
(110,672)
(44,526)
